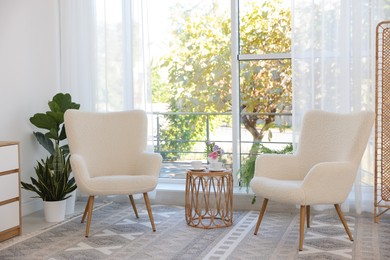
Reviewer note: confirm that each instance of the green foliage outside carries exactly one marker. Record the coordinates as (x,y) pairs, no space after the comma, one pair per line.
(248,167)
(198,64)
(199,73)
(160,89)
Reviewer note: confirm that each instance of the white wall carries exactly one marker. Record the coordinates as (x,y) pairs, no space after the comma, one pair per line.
(29,76)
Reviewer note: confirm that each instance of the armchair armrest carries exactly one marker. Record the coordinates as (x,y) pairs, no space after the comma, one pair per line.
(278,166)
(329,182)
(149,164)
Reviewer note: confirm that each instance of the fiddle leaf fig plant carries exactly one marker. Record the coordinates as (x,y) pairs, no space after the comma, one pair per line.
(53,122)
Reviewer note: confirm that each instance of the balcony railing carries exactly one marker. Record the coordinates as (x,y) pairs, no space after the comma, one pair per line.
(221,135)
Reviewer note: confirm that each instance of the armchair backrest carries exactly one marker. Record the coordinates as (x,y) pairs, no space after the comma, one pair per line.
(327,137)
(109,143)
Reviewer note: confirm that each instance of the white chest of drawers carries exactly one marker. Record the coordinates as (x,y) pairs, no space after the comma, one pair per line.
(10,213)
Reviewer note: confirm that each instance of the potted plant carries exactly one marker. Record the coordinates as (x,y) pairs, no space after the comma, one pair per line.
(53,182)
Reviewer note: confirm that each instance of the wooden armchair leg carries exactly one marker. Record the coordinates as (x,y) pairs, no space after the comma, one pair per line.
(262,211)
(90,207)
(133,204)
(301,227)
(341,216)
(85,210)
(308,215)
(148,207)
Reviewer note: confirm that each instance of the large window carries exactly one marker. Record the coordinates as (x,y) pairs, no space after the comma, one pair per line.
(191,80)
(193,85)
(265,81)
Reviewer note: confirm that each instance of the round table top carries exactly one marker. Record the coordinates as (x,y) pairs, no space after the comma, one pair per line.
(207,172)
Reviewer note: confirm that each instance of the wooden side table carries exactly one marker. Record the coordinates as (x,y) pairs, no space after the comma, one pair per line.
(209,199)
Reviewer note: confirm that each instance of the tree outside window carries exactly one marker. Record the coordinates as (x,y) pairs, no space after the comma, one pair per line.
(195,74)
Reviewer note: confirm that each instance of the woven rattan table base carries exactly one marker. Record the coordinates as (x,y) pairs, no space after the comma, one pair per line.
(209,199)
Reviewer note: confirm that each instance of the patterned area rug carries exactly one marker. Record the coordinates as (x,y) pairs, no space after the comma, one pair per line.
(116,234)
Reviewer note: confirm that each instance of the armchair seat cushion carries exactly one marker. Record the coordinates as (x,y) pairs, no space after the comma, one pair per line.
(121,184)
(285,191)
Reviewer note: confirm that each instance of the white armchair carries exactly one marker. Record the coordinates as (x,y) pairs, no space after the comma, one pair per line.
(108,156)
(322,170)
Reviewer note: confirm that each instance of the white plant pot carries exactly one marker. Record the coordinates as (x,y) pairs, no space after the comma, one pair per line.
(70,203)
(54,210)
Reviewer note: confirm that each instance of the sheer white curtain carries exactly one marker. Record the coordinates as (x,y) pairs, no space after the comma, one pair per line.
(333,54)
(104,54)
(78,48)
